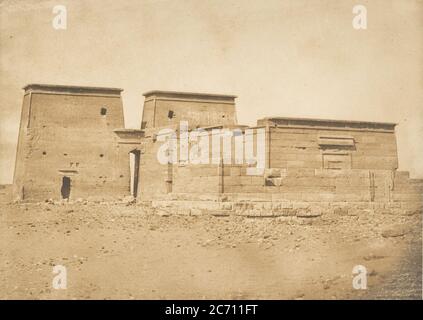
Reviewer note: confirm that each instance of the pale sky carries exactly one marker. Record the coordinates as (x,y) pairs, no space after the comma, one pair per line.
(281,58)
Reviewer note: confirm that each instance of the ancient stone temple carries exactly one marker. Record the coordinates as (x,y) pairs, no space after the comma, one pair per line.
(190,156)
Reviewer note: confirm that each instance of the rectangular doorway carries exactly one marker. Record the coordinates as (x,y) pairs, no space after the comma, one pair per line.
(134,164)
(66,187)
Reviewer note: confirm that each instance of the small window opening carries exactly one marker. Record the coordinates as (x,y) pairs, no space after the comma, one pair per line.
(44,153)
(101,155)
(103,111)
(170,114)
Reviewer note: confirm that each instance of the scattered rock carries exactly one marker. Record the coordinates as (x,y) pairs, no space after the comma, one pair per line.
(394,231)
(163,213)
(372,256)
(129,200)
(299,296)
(309,213)
(372,273)
(412,212)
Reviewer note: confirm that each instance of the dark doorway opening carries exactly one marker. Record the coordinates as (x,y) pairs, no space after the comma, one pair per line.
(66,187)
(134,162)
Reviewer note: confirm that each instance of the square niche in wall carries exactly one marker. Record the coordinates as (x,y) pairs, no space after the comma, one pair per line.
(333,160)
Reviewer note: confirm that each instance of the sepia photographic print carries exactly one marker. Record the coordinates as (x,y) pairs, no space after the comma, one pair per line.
(211,150)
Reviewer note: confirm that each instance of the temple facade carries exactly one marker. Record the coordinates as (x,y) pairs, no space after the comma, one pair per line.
(191,156)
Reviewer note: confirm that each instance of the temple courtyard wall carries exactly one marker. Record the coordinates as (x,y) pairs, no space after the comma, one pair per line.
(298,188)
(307,193)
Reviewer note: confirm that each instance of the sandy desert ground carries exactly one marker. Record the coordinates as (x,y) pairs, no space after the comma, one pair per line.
(121,251)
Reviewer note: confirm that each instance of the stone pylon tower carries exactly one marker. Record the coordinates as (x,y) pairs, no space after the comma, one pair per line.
(66,147)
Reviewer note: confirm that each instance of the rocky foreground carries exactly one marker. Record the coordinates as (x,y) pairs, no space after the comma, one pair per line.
(124,251)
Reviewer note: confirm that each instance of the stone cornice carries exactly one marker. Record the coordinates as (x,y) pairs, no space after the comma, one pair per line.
(62,89)
(327,124)
(189,96)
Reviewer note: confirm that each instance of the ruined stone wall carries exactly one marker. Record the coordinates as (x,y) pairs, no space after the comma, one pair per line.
(298,182)
(320,184)
(70,134)
(156,179)
(307,193)
(197,179)
(296,191)
(346,149)
(406,190)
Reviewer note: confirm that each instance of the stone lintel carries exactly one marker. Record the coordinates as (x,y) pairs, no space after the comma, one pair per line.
(129,134)
(67,172)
